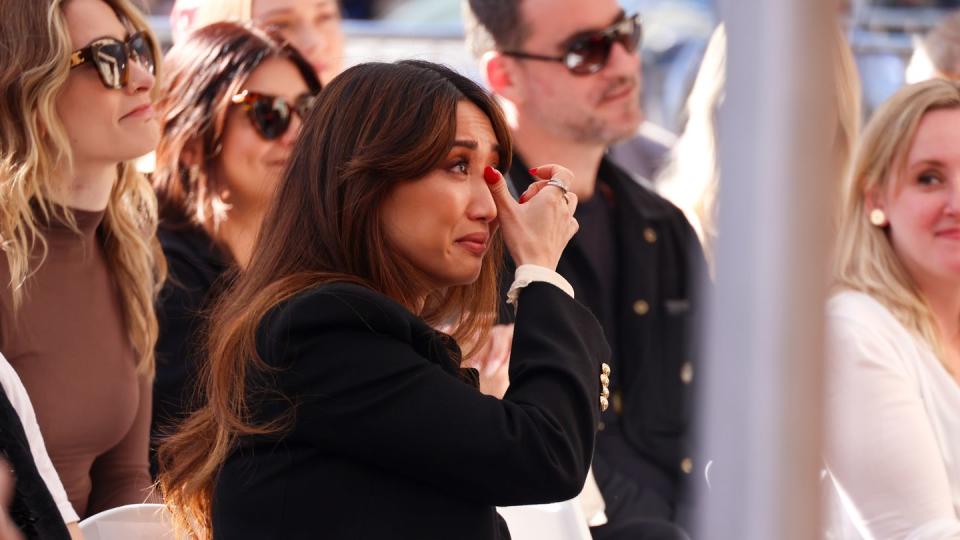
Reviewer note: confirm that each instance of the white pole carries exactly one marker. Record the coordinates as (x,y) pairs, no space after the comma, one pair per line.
(761,394)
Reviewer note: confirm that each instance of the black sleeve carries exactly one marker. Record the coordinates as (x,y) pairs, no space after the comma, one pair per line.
(371,397)
(180,311)
(180,316)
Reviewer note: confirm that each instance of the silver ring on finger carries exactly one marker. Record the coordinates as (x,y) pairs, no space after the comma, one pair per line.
(558,184)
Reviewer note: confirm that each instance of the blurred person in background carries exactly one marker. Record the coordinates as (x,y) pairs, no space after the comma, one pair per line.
(893,369)
(311,26)
(231,107)
(567,74)
(691,178)
(938,53)
(335,409)
(81,265)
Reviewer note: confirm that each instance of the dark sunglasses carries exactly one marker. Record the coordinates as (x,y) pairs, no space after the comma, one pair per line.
(112,58)
(271,115)
(588,53)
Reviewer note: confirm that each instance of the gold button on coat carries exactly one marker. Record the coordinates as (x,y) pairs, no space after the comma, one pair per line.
(686,373)
(649,235)
(641,307)
(686,465)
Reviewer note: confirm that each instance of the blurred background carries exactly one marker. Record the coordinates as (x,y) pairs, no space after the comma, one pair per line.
(883,34)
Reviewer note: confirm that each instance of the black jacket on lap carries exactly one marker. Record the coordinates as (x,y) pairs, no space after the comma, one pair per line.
(390,439)
(32,508)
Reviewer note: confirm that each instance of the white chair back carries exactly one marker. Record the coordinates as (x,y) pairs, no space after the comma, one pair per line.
(131,522)
(556,521)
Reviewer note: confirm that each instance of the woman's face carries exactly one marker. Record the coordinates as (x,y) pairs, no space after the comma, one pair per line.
(312,26)
(923,205)
(442,223)
(249,166)
(105,125)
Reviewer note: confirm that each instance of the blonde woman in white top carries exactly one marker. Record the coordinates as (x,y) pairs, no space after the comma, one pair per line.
(893,374)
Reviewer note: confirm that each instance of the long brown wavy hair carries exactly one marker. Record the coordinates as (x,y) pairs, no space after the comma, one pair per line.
(35,49)
(374,126)
(203,72)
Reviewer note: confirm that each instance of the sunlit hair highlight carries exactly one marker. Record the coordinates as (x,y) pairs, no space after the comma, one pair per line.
(691,178)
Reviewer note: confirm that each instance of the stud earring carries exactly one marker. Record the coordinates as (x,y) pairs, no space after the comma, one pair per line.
(878,218)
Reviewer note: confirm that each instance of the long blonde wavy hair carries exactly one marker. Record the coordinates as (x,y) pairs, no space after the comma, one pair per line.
(35,49)
(865,260)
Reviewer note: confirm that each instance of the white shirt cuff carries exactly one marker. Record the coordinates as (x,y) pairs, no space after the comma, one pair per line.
(592,503)
(529,273)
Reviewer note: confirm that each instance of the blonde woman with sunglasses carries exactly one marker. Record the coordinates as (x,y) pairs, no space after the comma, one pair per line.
(80,264)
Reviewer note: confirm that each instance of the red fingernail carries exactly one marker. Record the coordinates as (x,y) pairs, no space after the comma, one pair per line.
(533,170)
(523,197)
(490,175)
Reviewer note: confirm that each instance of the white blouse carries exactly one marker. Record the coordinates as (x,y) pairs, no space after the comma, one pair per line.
(17,395)
(892,427)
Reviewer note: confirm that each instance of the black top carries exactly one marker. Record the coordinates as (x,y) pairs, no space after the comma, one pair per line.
(389,440)
(658,260)
(197,270)
(32,509)
(598,237)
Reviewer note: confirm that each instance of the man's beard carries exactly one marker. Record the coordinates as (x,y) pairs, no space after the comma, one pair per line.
(608,129)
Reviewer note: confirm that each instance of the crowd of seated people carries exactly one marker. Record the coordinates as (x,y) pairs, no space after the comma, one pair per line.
(381,302)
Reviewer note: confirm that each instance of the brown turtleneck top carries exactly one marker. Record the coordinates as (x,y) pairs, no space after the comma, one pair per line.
(69,344)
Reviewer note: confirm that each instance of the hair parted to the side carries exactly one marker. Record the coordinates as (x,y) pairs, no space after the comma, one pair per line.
(202,73)
(35,49)
(493,25)
(865,260)
(374,126)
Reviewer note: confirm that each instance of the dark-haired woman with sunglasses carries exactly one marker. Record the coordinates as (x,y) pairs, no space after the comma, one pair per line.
(80,262)
(233,101)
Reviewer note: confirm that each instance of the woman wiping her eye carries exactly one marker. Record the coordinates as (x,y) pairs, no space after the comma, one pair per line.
(232,104)
(80,263)
(334,409)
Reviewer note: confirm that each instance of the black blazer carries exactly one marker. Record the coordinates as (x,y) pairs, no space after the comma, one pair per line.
(390,440)
(197,270)
(659,262)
